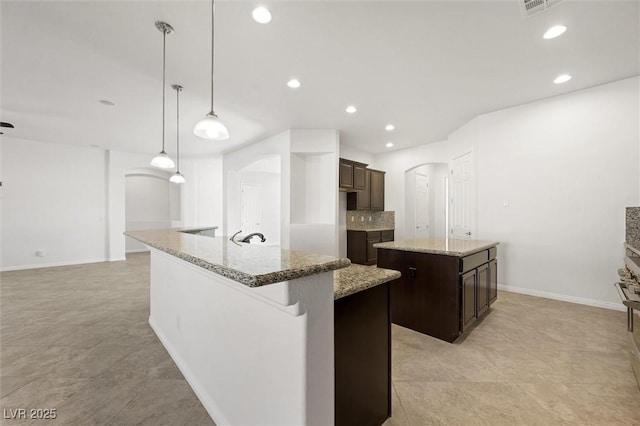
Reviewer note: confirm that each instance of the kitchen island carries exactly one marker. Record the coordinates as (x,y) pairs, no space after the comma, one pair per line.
(446,284)
(252,327)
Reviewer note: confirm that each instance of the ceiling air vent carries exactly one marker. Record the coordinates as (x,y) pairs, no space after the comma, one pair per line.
(531,7)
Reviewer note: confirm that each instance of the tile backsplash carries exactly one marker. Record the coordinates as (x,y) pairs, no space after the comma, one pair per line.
(372,219)
(632,228)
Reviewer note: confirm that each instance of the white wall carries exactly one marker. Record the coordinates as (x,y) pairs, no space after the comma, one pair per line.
(53,201)
(69,202)
(567,167)
(234,162)
(350,153)
(151,202)
(202,193)
(314,195)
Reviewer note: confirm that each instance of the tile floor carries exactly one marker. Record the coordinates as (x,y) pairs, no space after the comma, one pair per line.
(76,339)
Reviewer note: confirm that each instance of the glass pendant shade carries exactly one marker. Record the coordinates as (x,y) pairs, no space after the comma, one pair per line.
(162,161)
(177,178)
(211,128)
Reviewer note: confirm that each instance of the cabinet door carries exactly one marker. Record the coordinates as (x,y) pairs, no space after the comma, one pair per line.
(372,255)
(493,281)
(483,288)
(363,197)
(346,174)
(468,287)
(377,190)
(357,247)
(359,172)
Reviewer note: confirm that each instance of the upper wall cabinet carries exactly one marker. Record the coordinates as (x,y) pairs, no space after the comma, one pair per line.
(352,175)
(376,191)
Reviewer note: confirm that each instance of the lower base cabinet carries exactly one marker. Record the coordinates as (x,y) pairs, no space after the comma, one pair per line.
(440,295)
(362,330)
(360,248)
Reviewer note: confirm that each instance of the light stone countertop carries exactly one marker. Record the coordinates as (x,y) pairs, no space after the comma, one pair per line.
(445,246)
(356,278)
(249,264)
(371,229)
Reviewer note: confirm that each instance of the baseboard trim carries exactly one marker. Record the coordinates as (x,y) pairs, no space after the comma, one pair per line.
(209,405)
(563,297)
(51,264)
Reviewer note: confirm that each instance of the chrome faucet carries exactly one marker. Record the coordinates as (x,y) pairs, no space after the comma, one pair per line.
(247,239)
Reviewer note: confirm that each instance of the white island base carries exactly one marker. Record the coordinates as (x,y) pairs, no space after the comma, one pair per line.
(253,356)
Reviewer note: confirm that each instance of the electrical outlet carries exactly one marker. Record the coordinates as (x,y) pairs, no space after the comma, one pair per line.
(369,218)
(40,253)
(353,219)
(361,218)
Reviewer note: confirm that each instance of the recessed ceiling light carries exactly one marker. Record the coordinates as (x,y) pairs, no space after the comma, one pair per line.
(389,127)
(261,15)
(293,83)
(389,144)
(351,109)
(562,79)
(107,103)
(554,32)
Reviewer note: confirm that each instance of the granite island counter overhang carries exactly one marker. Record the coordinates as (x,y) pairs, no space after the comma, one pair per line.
(250,327)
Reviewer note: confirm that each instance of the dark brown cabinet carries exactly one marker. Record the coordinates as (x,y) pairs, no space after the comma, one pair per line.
(359,176)
(377,190)
(371,198)
(360,200)
(362,340)
(352,175)
(364,187)
(360,245)
(346,174)
(493,281)
(440,295)
(468,286)
(482,297)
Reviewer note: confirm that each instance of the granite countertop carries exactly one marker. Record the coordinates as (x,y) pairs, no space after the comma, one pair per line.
(371,229)
(445,246)
(249,264)
(356,278)
(196,229)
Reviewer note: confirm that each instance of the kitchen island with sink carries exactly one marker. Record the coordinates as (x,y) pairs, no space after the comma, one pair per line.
(446,284)
(252,328)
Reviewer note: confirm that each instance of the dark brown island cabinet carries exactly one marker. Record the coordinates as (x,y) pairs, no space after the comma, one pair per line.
(364,186)
(446,284)
(360,244)
(362,336)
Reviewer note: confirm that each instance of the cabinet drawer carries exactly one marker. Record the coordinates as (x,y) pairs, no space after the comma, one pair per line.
(386,235)
(473,261)
(373,235)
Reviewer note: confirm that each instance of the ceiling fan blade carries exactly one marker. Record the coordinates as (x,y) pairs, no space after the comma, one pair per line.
(3,124)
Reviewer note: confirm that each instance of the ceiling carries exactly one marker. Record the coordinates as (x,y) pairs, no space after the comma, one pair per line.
(428,67)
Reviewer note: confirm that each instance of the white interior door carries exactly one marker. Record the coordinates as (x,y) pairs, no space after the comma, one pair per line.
(463,197)
(250,208)
(422,206)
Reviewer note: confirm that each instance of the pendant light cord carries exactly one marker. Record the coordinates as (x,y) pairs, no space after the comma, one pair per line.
(164,66)
(212,50)
(178,130)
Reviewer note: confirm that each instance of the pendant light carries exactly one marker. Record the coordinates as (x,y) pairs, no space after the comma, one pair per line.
(162,160)
(177,177)
(210,126)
